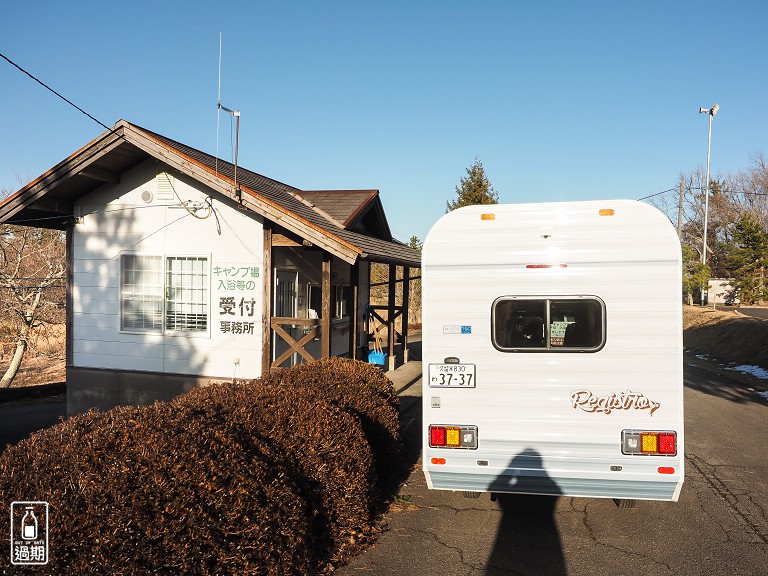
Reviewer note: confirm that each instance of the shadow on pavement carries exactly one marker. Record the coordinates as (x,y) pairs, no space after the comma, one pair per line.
(527,540)
(410,426)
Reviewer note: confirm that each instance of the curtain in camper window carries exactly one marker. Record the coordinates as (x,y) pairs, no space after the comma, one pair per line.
(548,324)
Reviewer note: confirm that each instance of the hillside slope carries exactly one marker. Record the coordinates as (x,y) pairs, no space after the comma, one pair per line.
(726,335)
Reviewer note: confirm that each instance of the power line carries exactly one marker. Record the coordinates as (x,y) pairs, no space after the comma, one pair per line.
(44,85)
(657,194)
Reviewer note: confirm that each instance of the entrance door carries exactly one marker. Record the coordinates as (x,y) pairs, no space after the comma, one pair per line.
(286,305)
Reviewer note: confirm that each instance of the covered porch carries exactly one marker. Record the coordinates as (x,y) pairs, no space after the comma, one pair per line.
(320,305)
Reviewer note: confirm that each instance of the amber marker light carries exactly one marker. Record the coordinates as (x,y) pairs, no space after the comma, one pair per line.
(607,212)
(649,443)
(487,216)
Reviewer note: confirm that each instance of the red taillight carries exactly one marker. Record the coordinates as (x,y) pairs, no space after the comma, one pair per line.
(437,436)
(462,437)
(667,443)
(649,442)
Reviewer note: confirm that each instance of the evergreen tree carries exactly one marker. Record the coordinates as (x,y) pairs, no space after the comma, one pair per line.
(748,259)
(695,274)
(475,189)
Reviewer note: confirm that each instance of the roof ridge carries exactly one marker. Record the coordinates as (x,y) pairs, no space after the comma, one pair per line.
(292,190)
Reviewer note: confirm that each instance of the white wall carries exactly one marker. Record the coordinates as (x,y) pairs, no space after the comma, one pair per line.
(717,290)
(116,220)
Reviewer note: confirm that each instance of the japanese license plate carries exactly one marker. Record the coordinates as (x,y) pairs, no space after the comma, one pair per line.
(452,375)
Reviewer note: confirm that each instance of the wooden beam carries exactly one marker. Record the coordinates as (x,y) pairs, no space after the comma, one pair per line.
(278,320)
(406,295)
(100,175)
(266,308)
(45,204)
(295,346)
(354,287)
(325,315)
(69,307)
(391,315)
(283,240)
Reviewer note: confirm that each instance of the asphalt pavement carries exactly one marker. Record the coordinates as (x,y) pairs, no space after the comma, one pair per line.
(753,311)
(21,418)
(718,526)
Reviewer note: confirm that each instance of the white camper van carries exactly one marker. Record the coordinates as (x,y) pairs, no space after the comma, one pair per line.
(552,351)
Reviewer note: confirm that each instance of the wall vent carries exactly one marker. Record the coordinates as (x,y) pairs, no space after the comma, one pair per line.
(165,186)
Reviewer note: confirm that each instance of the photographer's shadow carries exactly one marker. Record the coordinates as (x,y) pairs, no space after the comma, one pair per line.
(528,541)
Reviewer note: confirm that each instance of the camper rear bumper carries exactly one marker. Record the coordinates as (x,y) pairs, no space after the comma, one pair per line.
(547,485)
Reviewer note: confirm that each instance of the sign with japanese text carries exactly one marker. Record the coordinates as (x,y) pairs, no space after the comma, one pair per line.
(237,292)
(29,533)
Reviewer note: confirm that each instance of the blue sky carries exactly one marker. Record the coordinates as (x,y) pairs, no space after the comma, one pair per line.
(559,100)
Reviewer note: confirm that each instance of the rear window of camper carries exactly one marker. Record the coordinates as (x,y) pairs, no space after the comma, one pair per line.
(525,324)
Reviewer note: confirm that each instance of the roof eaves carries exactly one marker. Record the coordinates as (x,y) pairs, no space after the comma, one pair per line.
(225,185)
(71,164)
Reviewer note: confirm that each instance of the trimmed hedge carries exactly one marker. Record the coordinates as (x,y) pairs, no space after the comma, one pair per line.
(363,391)
(281,475)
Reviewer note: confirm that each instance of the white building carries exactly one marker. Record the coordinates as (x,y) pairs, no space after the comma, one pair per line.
(183,270)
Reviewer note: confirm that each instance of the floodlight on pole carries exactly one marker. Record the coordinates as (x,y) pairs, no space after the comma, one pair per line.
(711,113)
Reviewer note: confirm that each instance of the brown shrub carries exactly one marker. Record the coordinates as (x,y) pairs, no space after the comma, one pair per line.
(245,478)
(365,392)
(158,488)
(317,444)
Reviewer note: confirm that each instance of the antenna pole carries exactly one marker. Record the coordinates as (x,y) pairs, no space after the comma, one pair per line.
(237,148)
(236,114)
(218,116)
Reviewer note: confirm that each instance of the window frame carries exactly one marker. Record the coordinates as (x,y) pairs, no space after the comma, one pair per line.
(165,298)
(342,294)
(548,347)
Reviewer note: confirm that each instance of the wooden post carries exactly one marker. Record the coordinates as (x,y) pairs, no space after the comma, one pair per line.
(69,326)
(354,286)
(391,315)
(404,313)
(266,309)
(325,315)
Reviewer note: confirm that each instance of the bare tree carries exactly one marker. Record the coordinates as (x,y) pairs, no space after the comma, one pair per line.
(32,276)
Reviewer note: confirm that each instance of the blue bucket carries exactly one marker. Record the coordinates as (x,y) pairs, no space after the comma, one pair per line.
(377,358)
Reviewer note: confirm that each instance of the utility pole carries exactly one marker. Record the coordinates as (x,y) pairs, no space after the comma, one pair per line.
(711,113)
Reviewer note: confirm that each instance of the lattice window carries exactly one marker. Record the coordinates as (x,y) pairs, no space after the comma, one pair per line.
(186,294)
(168,294)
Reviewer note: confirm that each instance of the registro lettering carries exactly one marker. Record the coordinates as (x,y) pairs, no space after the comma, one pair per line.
(588,402)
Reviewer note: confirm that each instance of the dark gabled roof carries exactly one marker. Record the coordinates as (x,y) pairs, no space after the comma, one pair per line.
(48,201)
(354,209)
